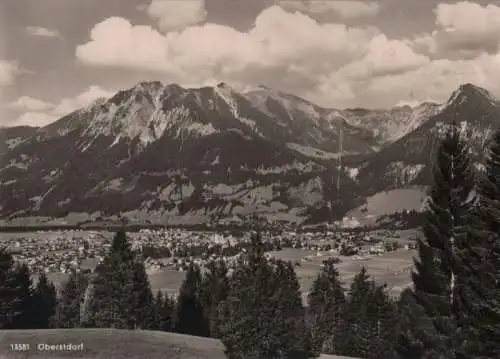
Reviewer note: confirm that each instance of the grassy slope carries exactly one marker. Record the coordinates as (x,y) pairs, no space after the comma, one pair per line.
(115,344)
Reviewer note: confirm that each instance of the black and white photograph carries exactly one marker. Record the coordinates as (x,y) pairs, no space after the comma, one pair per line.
(249,179)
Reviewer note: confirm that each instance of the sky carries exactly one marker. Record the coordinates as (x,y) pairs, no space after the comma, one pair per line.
(59,55)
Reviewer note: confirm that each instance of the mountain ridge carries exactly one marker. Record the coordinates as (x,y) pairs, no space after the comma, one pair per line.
(214,152)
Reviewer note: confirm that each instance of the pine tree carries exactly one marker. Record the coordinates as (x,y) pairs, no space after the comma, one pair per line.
(214,289)
(44,303)
(190,315)
(410,344)
(480,261)
(69,305)
(165,307)
(22,289)
(256,318)
(326,301)
(120,293)
(437,277)
(291,334)
(356,339)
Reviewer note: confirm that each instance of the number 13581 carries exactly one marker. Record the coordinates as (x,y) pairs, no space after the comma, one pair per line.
(19,347)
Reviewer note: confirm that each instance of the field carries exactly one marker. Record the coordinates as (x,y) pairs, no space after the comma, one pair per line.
(391,268)
(114,344)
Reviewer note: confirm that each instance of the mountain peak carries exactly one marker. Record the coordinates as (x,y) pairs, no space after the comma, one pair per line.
(469,92)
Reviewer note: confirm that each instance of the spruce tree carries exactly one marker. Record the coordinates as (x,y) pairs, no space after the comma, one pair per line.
(190,315)
(214,289)
(69,305)
(119,294)
(256,319)
(326,301)
(6,291)
(356,339)
(44,303)
(165,307)
(22,289)
(480,261)
(437,278)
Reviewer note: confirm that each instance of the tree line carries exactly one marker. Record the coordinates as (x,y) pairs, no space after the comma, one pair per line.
(257,310)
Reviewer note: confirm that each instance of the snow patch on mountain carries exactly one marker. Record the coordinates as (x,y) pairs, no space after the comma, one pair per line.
(312,151)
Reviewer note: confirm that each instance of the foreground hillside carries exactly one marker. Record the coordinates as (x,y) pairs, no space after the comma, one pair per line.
(115,344)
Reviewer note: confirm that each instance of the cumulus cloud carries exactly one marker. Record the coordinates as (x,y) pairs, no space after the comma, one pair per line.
(35,112)
(177,14)
(347,9)
(36,119)
(331,64)
(30,104)
(279,43)
(41,31)
(67,105)
(464,29)
(8,71)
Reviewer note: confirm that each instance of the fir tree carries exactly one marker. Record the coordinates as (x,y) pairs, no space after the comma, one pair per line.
(214,289)
(70,303)
(190,314)
(437,278)
(165,307)
(22,289)
(7,295)
(480,261)
(44,303)
(120,296)
(326,301)
(256,319)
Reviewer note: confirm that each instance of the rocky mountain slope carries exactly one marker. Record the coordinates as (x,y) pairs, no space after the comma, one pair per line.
(408,161)
(167,153)
(199,154)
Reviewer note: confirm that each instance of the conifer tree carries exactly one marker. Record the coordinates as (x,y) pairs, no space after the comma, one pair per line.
(480,261)
(256,314)
(44,303)
(120,293)
(69,305)
(326,301)
(190,315)
(214,289)
(22,289)
(437,277)
(165,307)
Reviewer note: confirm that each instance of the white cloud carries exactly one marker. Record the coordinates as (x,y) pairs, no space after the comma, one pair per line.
(30,104)
(177,14)
(67,105)
(347,9)
(35,112)
(8,72)
(332,64)
(41,31)
(464,29)
(37,119)
(278,43)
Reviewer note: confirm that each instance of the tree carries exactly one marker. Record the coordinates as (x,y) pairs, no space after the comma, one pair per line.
(21,314)
(190,315)
(326,301)
(256,319)
(480,261)
(165,307)
(214,289)
(6,291)
(44,303)
(291,334)
(70,303)
(437,278)
(119,294)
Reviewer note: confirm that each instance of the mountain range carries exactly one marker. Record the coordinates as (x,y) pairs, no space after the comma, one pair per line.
(171,154)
